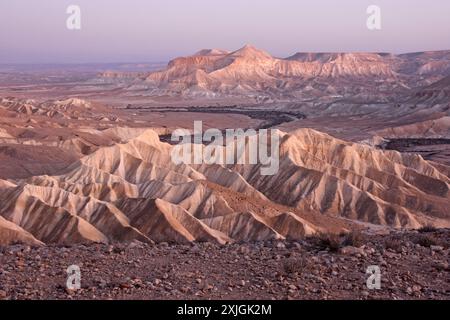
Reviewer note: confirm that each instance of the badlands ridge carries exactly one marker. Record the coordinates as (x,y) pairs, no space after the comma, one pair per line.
(132,190)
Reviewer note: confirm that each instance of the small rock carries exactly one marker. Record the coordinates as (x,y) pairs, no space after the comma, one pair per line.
(109,249)
(352,251)
(185,289)
(102,284)
(297,245)
(207,286)
(125,285)
(382,262)
(280,245)
(391,255)
(416,288)
(441,265)
(70,292)
(244,250)
(195,249)
(135,244)
(436,248)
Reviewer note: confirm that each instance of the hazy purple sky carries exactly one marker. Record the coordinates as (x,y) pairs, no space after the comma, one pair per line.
(156,30)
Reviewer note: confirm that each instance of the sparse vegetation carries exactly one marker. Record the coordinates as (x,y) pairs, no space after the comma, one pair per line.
(354,239)
(427,229)
(333,242)
(393,244)
(269,271)
(426,240)
(294,265)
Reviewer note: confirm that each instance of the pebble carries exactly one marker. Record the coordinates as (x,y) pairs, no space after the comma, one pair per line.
(280,245)
(327,274)
(3,294)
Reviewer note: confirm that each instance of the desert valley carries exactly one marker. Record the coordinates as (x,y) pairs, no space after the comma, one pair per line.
(364,150)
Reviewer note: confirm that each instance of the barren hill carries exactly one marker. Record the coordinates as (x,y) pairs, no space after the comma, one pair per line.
(250,71)
(134,191)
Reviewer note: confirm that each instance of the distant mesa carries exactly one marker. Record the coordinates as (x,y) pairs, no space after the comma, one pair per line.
(211,52)
(250,71)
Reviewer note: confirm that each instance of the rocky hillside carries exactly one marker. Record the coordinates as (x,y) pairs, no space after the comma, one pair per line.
(412,265)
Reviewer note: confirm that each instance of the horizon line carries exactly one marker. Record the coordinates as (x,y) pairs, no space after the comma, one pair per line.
(169,59)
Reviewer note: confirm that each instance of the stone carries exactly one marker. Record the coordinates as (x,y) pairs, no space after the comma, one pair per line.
(441,265)
(280,245)
(416,288)
(3,294)
(352,251)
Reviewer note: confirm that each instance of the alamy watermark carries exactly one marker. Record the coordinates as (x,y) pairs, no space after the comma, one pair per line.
(374,20)
(74,278)
(73,22)
(236,146)
(374,280)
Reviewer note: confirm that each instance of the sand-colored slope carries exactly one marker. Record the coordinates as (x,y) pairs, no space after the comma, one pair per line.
(134,191)
(356,181)
(11,233)
(164,221)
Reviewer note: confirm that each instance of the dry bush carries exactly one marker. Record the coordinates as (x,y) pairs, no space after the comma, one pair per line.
(427,229)
(354,239)
(426,240)
(294,265)
(393,244)
(332,242)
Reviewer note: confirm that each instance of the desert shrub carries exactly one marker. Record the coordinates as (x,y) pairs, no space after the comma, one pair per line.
(427,229)
(332,242)
(426,240)
(294,265)
(393,244)
(354,239)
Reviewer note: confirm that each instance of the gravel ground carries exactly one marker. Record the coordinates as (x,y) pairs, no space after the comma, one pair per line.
(413,265)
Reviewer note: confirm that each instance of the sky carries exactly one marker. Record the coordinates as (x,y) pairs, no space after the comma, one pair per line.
(34,31)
